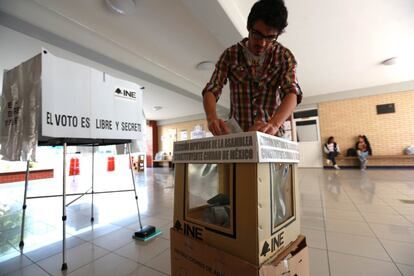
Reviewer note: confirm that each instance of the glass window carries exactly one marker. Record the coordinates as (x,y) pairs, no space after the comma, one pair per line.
(209,193)
(282,193)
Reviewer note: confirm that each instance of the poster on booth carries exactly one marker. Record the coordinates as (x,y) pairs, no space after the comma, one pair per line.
(19,111)
(81,102)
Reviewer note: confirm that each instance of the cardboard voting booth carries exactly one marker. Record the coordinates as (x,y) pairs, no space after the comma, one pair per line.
(238,193)
(50,100)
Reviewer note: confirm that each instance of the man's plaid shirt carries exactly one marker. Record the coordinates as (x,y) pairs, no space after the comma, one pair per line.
(255,98)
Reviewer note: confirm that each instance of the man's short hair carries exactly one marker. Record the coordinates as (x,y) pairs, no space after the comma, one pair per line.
(272,12)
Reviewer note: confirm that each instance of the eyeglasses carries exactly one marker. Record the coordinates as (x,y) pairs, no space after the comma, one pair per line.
(259,36)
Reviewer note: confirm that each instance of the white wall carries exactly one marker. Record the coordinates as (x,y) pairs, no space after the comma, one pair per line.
(14,49)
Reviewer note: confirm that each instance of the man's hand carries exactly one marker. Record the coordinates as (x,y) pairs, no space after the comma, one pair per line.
(265,127)
(218,127)
(215,125)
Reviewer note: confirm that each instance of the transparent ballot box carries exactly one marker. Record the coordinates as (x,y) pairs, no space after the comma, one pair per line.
(209,195)
(238,193)
(281,187)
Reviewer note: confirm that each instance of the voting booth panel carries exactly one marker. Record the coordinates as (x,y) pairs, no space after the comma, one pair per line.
(50,100)
(238,193)
(81,102)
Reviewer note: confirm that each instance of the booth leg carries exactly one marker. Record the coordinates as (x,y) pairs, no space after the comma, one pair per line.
(64,264)
(92,193)
(133,183)
(26,181)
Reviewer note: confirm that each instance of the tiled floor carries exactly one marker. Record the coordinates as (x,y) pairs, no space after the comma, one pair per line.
(356,223)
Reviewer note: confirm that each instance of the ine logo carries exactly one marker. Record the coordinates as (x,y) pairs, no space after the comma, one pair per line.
(265,249)
(189,230)
(125,94)
(177,225)
(275,243)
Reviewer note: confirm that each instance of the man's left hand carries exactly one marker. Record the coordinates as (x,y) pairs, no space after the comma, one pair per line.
(265,127)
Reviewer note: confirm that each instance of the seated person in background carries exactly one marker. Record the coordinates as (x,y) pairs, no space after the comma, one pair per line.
(363,149)
(331,149)
(160,156)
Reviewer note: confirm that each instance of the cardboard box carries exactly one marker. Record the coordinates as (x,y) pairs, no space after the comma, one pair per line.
(192,257)
(238,193)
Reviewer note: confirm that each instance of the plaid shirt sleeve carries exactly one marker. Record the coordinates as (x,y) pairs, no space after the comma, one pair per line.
(219,77)
(289,82)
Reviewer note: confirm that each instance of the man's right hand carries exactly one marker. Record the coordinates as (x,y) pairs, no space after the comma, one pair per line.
(215,125)
(218,127)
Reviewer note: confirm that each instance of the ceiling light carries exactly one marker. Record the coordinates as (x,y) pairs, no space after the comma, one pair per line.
(124,7)
(390,61)
(157,107)
(205,65)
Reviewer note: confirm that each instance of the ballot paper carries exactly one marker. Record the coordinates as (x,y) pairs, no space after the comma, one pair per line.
(233,126)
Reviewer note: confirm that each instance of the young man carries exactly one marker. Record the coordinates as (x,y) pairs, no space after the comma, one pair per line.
(263,87)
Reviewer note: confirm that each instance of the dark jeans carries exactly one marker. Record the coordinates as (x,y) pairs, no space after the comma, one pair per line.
(331,156)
